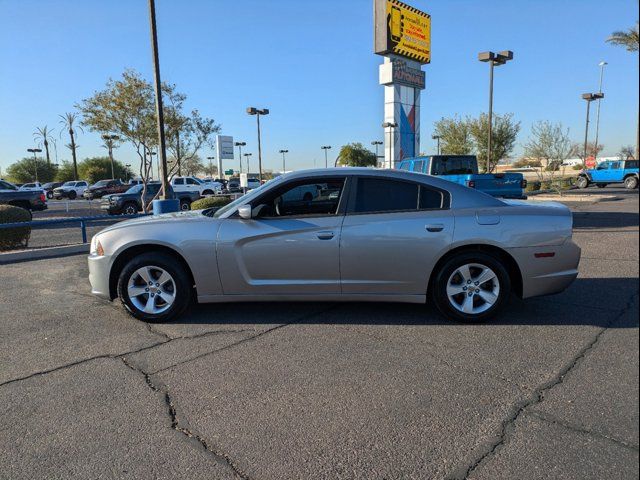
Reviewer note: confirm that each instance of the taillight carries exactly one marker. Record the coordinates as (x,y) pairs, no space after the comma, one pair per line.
(471,183)
(43,199)
(523,183)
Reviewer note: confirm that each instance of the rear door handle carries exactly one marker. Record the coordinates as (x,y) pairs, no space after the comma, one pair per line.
(325,235)
(436,227)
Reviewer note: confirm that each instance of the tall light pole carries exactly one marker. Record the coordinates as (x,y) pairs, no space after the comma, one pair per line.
(246,156)
(437,139)
(326,161)
(35,160)
(390,126)
(159,113)
(257,112)
(240,145)
(211,166)
(375,143)
(494,59)
(109,142)
(589,97)
(283,152)
(151,154)
(602,65)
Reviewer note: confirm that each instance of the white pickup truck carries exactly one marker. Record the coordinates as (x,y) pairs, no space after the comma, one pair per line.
(192,184)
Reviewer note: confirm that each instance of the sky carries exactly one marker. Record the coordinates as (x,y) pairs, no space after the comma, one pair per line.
(312,64)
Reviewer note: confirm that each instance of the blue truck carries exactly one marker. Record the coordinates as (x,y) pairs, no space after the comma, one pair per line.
(610,171)
(463,169)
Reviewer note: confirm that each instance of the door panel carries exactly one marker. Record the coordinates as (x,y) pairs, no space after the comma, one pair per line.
(280,255)
(392,253)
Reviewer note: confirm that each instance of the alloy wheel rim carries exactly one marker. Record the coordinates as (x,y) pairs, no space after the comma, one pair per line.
(151,289)
(473,288)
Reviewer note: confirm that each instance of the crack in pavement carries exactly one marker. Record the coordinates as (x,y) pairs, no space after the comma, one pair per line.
(508,425)
(545,417)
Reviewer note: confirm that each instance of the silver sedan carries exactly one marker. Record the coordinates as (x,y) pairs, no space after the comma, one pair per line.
(345,234)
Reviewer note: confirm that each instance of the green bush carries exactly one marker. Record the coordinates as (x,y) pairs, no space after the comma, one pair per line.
(210,202)
(14,237)
(533,186)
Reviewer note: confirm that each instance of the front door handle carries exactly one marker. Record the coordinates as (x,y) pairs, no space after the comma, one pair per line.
(436,227)
(325,235)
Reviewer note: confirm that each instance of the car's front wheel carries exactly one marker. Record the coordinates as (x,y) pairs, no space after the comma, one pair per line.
(471,287)
(130,209)
(631,183)
(582,182)
(154,287)
(72,195)
(185,205)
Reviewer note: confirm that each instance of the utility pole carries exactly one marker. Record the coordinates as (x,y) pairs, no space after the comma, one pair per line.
(35,159)
(437,138)
(326,161)
(589,97)
(283,152)
(240,145)
(257,112)
(602,65)
(375,143)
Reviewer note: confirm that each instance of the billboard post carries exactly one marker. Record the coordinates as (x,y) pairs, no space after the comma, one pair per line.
(402,34)
(224,151)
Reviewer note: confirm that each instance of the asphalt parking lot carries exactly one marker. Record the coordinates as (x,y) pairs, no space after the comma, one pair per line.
(284,391)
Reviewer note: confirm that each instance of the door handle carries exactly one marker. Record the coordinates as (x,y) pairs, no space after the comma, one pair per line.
(325,235)
(436,227)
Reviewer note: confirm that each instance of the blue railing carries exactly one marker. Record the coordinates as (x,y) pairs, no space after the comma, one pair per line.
(81,221)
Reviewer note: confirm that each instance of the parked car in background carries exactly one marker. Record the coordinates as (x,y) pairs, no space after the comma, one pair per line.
(49,187)
(233,185)
(31,200)
(252,183)
(71,190)
(31,187)
(610,171)
(211,185)
(105,187)
(378,234)
(192,184)
(463,169)
(130,202)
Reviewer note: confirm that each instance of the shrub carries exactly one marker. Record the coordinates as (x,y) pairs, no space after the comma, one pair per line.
(533,186)
(210,202)
(14,237)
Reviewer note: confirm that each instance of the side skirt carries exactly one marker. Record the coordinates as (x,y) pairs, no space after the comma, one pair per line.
(312,298)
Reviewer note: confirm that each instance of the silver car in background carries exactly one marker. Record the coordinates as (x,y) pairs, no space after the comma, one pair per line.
(365,235)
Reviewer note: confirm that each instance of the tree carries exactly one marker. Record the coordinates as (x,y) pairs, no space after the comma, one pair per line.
(455,136)
(592,151)
(626,152)
(24,171)
(356,155)
(191,166)
(99,168)
(503,138)
(526,162)
(68,121)
(43,136)
(550,144)
(65,172)
(629,39)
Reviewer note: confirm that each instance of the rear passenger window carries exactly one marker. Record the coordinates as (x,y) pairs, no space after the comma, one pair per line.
(430,199)
(382,195)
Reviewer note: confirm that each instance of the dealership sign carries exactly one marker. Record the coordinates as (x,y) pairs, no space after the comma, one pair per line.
(400,72)
(402,30)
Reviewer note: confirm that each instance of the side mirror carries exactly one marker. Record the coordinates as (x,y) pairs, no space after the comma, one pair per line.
(245,212)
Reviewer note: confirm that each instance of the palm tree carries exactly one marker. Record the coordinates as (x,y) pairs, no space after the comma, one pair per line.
(68,121)
(44,136)
(628,40)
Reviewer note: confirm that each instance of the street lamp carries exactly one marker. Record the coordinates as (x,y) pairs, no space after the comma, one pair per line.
(437,138)
(35,160)
(326,161)
(109,142)
(246,156)
(151,154)
(127,166)
(390,126)
(240,145)
(375,143)
(257,112)
(283,160)
(602,64)
(589,97)
(494,59)
(211,166)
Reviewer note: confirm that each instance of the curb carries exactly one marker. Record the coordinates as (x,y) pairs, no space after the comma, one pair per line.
(53,252)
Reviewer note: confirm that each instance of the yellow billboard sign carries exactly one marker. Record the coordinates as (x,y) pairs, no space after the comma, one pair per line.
(402,30)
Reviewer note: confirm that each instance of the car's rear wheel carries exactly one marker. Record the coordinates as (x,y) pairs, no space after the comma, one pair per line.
(130,209)
(471,287)
(582,182)
(185,205)
(630,183)
(72,195)
(49,195)
(207,192)
(154,287)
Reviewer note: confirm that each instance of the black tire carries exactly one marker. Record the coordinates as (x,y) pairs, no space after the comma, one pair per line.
(631,183)
(72,195)
(49,195)
(582,182)
(185,205)
(130,208)
(183,287)
(441,279)
(601,185)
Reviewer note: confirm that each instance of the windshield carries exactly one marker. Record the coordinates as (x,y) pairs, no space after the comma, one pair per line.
(245,198)
(134,189)
(69,184)
(101,183)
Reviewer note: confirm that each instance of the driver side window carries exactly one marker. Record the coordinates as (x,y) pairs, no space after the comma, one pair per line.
(317,197)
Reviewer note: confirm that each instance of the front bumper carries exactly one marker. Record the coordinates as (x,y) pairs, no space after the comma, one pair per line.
(99,268)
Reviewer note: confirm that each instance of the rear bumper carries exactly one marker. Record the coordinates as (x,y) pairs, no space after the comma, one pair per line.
(547,275)
(99,267)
